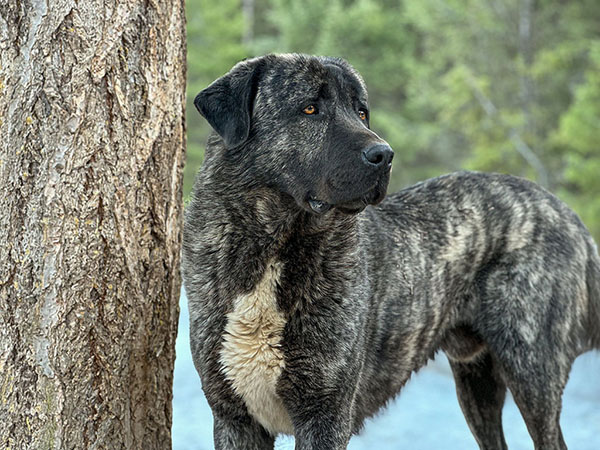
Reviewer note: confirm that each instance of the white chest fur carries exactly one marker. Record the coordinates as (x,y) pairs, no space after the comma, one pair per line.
(251,355)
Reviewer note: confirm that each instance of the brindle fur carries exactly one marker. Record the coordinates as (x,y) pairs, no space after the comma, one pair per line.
(492,269)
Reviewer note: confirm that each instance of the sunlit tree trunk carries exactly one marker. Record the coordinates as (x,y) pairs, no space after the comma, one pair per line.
(527,85)
(248,11)
(91,152)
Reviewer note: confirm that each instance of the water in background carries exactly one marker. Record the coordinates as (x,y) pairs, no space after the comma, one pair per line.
(425,416)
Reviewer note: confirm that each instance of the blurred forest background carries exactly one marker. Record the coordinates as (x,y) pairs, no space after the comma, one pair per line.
(496,85)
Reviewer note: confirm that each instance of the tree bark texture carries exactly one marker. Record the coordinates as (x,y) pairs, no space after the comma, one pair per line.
(91,155)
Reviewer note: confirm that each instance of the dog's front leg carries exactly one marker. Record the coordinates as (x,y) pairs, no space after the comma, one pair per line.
(325,430)
(322,418)
(243,434)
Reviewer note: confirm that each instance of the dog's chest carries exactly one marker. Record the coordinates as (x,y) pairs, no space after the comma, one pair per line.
(251,355)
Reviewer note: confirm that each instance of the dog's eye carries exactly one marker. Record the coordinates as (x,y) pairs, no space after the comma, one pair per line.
(310,110)
(362,114)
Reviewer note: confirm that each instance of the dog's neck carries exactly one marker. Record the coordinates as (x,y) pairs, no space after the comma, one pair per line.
(273,217)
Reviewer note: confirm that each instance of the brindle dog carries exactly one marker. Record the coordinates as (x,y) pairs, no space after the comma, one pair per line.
(312,301)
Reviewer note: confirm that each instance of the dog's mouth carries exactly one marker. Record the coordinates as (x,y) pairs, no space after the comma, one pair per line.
(318,206)
(353,206)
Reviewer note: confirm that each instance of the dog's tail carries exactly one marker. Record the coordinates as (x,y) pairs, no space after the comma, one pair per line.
(593,279)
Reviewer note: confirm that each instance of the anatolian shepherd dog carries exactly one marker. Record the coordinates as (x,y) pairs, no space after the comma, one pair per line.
(312,300)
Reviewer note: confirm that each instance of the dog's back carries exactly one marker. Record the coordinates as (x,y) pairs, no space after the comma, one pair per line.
(475,224)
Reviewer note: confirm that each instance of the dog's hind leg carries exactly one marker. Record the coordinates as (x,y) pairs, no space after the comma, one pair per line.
(536,372)
(539,401)
(535,365)
(529,319)
(481,392)
(537,390)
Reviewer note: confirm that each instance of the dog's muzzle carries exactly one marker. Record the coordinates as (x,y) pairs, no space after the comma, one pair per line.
(377,164)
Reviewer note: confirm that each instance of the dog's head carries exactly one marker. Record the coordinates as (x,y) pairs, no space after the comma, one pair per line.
(301,124)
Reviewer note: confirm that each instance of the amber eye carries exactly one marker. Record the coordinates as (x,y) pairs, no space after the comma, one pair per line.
(362,114)
(310,109)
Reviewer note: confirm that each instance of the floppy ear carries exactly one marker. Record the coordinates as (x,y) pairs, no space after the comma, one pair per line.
(227,103)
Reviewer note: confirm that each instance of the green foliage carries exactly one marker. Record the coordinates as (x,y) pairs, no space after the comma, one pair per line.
(215,31)
(498,85)
(579,137)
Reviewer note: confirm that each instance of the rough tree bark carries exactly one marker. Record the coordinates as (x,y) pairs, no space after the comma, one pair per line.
(91,155)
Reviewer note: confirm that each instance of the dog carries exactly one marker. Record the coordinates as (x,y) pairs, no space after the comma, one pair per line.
(312,300)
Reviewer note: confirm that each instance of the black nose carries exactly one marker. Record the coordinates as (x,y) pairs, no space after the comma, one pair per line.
(379,155)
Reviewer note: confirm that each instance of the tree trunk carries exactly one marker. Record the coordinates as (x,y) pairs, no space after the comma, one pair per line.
(248,12)
(91,156)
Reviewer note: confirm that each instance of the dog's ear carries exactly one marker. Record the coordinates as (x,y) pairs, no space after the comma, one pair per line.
(227,103)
